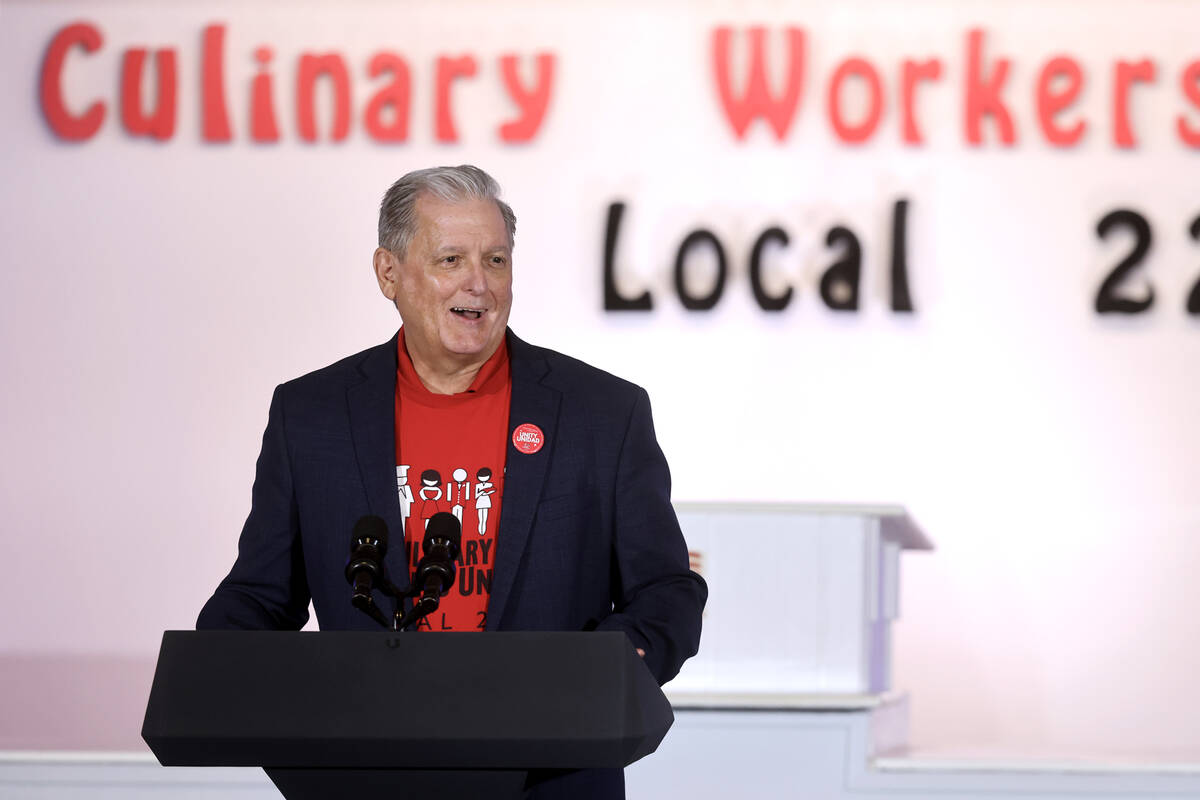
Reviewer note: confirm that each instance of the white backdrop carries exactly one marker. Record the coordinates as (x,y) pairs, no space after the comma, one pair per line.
(155,291)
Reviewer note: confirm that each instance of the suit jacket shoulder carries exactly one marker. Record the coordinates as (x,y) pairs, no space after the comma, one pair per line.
(588,389)
(346,371)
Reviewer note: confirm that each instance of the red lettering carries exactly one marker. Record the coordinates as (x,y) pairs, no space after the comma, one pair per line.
(215,127)
(758,100)
(913,71)
(1126,73)
(394,95)
(1051,102)
(532,103)
(161,122)
(263,127)
(855,134)
(1189,81)
(983,94)
(449,69)
(312,67)
(64,124)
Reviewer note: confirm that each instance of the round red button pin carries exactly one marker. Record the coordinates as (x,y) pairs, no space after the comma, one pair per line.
(528,438)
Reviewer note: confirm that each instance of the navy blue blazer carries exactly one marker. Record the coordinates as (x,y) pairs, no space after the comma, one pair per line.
(587,539)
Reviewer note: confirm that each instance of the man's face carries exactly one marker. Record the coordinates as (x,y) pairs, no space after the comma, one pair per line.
(453,288)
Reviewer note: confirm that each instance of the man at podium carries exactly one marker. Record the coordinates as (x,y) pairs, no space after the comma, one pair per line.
(551,466)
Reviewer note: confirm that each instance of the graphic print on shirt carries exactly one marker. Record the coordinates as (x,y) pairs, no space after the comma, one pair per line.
(430,494)
(458,491)
(406,495)
(477,548)
(484,489)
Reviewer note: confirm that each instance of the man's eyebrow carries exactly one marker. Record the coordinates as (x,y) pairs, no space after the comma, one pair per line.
(455,248)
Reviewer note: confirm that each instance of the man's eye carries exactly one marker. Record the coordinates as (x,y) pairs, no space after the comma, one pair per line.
(450,260)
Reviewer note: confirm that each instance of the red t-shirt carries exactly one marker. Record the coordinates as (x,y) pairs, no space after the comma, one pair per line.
(450,452)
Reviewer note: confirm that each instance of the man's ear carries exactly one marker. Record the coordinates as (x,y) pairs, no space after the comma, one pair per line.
(387,272)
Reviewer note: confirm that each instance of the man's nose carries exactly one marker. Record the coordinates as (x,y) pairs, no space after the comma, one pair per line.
(475,277)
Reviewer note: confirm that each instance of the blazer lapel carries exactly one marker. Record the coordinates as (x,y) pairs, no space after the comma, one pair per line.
(524,473)
(372,410)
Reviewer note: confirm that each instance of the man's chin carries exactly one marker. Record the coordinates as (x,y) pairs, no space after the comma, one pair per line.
(473,348)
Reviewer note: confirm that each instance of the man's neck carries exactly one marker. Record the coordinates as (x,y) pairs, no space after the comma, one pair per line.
(445,378)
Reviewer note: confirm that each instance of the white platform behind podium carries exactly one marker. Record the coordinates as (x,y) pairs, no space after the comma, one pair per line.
(801,600)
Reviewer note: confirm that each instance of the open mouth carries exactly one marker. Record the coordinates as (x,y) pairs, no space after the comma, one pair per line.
(468,313)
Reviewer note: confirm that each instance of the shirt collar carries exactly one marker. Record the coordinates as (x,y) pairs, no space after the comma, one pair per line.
(492,377)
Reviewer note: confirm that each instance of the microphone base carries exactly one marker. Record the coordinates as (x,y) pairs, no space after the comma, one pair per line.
(366,604)
(421,609)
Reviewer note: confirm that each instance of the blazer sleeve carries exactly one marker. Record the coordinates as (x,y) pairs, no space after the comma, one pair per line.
(659,601)
(267,588)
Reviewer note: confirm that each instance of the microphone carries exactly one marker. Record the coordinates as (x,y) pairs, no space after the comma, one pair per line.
(364,569)
(436,569)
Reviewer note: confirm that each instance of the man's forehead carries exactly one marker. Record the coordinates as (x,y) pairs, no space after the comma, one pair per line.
(444,222)
(430,206)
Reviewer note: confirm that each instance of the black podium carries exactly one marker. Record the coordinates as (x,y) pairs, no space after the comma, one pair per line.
(412,714)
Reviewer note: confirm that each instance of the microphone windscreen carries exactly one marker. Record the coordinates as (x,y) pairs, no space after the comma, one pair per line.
(443,525)
(371,527)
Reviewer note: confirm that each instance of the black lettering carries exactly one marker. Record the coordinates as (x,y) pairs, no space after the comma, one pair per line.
(445,627)
(840,283)
(466,581)
(485,546)
(1193,301)
(471,556)
(901,299)
(765,301)
(1107,299)
(483,581)
(709,300)
(613,300)
(482,620)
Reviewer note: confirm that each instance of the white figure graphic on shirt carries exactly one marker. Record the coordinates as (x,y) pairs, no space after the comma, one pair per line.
(460,490)
(405,493)
(484,490)
(430,494)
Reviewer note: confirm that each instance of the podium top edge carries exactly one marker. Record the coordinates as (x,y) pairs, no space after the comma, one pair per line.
(897,524)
